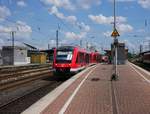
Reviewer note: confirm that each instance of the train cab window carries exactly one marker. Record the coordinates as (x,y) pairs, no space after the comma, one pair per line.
(63,56)
(87,58)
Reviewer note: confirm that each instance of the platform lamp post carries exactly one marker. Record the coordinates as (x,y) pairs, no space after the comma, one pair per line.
(115,34)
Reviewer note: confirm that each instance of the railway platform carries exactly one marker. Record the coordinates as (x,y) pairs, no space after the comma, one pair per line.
(92,92)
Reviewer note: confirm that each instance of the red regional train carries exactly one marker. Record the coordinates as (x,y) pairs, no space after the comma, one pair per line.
(146,57)
(105,59)
(73,59)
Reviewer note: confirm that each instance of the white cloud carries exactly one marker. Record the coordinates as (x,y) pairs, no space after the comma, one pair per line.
(123,28)
(83,26)
(4,34)
(23,27)
(1,42)
(123,0)
(129,44)
(21,3)
(144,3)
(22,30)
(5,29)
(65,42)
(55,12)
(141,30)
(4,12)
(71,19)
(101,19)
(107,33)
(52,43)
(126,0)
(86,4)
(22,33)
(60,3)
(121,22)
(147,38)
(72,35)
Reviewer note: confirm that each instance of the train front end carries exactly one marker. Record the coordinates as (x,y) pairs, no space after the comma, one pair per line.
(63,59)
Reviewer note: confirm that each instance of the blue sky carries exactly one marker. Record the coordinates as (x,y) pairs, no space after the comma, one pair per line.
(35,22)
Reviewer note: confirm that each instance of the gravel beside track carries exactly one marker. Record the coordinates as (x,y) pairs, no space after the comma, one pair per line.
(143,65)
(31,96)
(14,76)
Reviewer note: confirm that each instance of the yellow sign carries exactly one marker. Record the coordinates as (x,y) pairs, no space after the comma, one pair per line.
(115,33)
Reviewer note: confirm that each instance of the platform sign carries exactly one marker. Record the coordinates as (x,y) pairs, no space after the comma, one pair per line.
(115,33)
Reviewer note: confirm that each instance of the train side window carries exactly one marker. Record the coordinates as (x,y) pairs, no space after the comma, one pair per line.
(77,60)
(87,58)
(80,58)
(95,57)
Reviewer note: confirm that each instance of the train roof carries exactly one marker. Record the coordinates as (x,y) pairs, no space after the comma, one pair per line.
(69,48)
(144,52)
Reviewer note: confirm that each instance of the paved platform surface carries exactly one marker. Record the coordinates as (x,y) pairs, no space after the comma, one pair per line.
(94,93)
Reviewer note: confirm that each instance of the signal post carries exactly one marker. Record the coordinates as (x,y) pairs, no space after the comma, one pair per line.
(115,34)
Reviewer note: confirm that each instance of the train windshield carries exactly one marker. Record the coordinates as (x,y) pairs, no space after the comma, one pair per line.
(63,56)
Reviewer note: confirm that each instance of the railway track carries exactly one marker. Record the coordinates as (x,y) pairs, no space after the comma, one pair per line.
(20,103)
(15,76)
(11,69)
(17,88)
(143,65)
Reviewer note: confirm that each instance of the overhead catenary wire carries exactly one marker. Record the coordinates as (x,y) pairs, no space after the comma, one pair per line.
(10,32)
(38,29)
(35,30)
(62,21)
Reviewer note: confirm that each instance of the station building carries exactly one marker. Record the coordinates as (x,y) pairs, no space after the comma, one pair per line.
(14,55)
(121,53)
